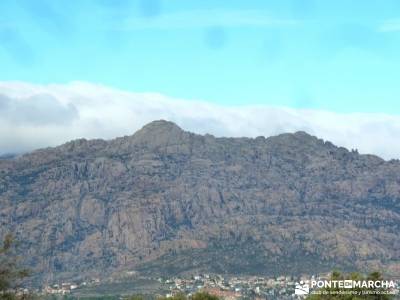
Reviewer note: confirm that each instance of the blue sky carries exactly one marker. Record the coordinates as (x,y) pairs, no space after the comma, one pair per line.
(341,55)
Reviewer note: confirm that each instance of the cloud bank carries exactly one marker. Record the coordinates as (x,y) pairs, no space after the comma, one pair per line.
(36,116)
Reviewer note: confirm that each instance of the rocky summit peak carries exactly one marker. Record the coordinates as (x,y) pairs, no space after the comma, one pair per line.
(306,137)
(160,125)
(158,133)
(303,134)
(154,201)
(298,137)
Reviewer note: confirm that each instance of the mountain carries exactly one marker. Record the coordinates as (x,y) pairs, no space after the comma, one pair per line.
(8,156)
(169,201)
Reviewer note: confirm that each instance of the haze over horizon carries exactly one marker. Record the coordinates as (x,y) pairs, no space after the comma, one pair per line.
(105,68)
(37,116)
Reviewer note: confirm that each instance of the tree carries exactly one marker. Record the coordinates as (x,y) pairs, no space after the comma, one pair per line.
(10,274)
(332,293)
(197,296)
(136,297)
(204,296)
(180,296)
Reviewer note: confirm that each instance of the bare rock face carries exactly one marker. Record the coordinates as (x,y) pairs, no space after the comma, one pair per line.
(168,201)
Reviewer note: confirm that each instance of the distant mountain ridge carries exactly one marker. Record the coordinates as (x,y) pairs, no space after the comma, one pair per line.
(169,201)
(8,156)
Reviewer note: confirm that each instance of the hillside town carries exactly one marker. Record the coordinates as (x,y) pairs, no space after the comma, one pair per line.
(254,287)
(224,287)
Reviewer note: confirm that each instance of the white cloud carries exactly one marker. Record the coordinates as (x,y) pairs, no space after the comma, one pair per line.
(37,109)
(86,110)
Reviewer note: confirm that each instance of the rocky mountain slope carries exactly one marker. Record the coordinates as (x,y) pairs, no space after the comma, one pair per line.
(168,201)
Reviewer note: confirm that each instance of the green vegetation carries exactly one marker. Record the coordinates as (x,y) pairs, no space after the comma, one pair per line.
(71,297)
(204,296)
(136,297)
(181,296)
(10,274)
(362,293)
